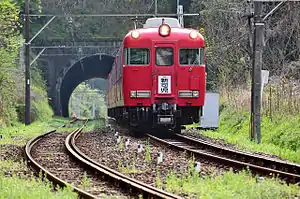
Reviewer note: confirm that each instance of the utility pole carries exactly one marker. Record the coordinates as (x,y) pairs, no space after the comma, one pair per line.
(155,7)
(256,70)
(27,64)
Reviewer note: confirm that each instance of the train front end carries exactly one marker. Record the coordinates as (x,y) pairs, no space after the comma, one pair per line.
(164,75)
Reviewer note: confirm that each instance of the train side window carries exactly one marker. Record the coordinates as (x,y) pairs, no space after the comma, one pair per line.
(192,56)
(164,56)
(137,56)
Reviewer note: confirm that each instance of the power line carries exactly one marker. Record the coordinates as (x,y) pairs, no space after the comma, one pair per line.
(110,15)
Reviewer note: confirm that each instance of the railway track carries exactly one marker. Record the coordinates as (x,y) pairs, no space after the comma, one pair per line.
(289,172)
(135,186)
(50,154)
(34,163)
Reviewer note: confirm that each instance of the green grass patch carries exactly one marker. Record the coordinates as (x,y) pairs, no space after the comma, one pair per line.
(23,188)
(280,136)
(229,185)
(12,166)
(19,134)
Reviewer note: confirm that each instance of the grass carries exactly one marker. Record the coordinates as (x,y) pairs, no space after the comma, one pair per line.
(280,136)
(19,186)
(19,134)
(24,187)
(229,185)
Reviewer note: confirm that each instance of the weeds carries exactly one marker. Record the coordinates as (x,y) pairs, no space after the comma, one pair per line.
(230,185)
(86,182)
(29,187)
(158,180)
(148,152)
(126,169)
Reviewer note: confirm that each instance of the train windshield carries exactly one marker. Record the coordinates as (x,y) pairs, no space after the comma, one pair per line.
(193,56)
(164,56)
(137,56)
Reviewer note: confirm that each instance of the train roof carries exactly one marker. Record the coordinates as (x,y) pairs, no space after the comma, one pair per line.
(150,33)
(156,22)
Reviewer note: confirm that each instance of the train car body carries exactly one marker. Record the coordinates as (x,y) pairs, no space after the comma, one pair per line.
(158,79)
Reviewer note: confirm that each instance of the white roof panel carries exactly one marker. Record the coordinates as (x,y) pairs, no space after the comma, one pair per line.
(156,22)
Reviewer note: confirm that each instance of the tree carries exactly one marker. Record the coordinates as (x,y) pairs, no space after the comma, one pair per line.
(9,45)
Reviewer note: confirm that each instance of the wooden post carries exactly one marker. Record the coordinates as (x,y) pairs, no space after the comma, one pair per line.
(256,71)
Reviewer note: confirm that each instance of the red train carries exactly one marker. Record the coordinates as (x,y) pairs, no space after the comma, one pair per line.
(158,79)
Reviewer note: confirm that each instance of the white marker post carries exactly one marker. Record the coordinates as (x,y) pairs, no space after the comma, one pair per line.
(140,148)
(159,157)
(127,143)
(197,167)
(264,81)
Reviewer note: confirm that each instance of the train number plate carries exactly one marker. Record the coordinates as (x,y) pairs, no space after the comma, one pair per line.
(164,84)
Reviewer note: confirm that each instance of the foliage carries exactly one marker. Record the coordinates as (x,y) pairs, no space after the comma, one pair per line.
(19,133)
(230,185)
(11,84)
(86,182)
(83,99)
(126,168)
(158,180)
(228,35)
(23,188)
(148,152)
(279,136)
(9,37)
(41,110)
(9,44)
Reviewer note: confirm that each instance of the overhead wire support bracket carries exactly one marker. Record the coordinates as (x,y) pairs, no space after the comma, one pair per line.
(38,55)
(273,10)
(37,34)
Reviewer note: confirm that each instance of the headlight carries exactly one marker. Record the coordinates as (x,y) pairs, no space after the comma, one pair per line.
(132,93)
(185,94)
(164,30)
(195,93)
(135,34)
(140,94)
(193,34)
(188,94)
(143,94)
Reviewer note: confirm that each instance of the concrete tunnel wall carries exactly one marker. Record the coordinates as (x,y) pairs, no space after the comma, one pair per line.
(96,66)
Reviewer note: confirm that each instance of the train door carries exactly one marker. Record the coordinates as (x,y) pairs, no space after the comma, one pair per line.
(164,72)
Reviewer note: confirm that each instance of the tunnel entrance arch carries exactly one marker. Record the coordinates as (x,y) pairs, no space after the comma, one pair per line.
(95,66)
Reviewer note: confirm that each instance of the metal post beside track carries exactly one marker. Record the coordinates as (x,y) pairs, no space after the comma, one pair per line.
(27,64)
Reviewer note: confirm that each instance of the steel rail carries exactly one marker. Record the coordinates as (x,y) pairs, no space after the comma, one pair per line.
(253,158)
(288,177)
(47,173)
(121,179)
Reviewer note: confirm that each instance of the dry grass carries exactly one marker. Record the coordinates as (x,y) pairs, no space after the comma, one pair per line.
(281,96)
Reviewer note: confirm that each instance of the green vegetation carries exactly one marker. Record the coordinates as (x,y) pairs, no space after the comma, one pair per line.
(12,78)
(148,152)
(86,182)
(24,187)
(158,180)
(280,136)
(87,103)
(19,133)
(126,169)
(229,185)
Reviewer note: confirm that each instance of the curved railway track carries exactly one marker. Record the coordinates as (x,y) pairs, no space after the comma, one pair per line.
(119,179)
(50,175)
(289,172)
(38,149)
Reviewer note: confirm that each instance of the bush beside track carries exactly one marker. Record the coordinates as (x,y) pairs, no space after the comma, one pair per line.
(280,136)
